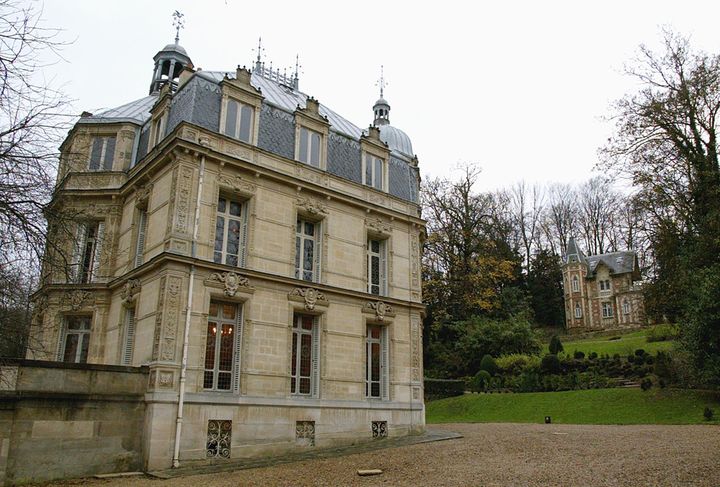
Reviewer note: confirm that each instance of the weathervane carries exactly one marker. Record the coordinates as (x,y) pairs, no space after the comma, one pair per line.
(381,82)
(178,23)
(260,50)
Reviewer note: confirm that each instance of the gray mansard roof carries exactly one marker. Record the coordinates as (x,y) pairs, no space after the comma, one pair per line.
(198,101)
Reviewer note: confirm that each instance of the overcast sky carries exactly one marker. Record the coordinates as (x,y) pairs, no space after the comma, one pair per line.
(520,88)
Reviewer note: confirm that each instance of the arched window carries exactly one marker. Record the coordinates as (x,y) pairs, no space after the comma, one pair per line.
(626,307)
(578,310)
(575,284)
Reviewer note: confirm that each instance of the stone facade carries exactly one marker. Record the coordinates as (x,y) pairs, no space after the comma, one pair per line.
(186,250)
(601,292)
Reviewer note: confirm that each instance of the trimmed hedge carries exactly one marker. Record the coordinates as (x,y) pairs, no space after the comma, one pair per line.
(439,388)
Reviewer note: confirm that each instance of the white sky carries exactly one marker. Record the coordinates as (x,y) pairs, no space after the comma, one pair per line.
(519,88)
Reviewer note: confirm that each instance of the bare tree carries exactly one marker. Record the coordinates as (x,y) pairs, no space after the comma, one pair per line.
(597,202)
(560,219)
(31,127)
(527,209)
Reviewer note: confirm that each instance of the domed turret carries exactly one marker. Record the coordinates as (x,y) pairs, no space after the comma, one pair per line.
(170,61)
(396,139)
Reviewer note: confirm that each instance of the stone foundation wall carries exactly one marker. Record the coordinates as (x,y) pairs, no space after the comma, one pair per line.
(62,420)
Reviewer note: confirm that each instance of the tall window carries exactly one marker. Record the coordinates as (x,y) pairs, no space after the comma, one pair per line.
(305,355)
(607,311)
(128,336)
(376,382)
(309,151)
(376,262)
(140,243)
(374,172)
(575,284)
(221,356)
(230,232)
(239,120)
(158,130)
(102,154)
(626,307)
(88,245)
(76,339)
(578,310)
(307,253)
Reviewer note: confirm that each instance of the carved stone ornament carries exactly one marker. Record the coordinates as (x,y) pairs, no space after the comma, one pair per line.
(76,299)
(142,195)
(236,184)
(232,282)
(312,206)
(378,225)
(310,296)
(130,290)
(380,308)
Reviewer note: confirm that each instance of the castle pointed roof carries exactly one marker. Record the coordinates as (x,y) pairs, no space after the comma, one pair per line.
(574,254)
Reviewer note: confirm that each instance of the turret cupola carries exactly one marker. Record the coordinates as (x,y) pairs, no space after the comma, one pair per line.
(381,107)
(170,60)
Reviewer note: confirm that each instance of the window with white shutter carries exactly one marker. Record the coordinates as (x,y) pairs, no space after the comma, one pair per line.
(307,250)
(140,243)
(222,347)
(304,362)
(230,232)
(128,336)
(377,266)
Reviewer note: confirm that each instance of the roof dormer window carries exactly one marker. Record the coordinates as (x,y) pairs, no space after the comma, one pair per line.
(239,120)
(309,147)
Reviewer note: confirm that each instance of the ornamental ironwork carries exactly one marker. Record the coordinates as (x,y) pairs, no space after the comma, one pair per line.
(218,438)
(379,429)
(305,433)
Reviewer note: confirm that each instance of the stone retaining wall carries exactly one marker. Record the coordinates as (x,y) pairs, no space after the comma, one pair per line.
(61,420)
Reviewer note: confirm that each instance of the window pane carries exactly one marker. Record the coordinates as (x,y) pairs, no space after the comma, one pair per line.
(233,237)
(304,385)
(221,205)
(375,269)
(226,347)
(229,311)
(315,150)
(235,208)
(213,309)
(245,123)
(375,246)
(310,229)
(307,322)
(224,381)
(219,233)
(210,345)
(208,380)
(303,144)
(85,339)
(375,365)
(109,153)
(96,154)
(368,170)
(378,182)
(308,249)
(231,118)
(305,354)
(71,346)
(297,257)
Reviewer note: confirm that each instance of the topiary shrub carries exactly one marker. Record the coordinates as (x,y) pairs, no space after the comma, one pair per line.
(550,364)
(661,333)
(631,358)
(556,345)
(488,364)
(481,381)
(593,355)
(663,365)
(708,414)
(646,384)
(579,355)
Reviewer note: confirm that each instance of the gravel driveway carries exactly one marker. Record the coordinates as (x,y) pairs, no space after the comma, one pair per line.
(500,455)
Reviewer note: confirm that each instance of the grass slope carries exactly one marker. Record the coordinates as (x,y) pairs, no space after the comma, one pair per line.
(627,344)
(595,406)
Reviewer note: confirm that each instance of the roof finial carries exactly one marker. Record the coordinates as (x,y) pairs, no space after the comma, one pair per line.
(296,75)
(178,23)
(258,62)
(381,82)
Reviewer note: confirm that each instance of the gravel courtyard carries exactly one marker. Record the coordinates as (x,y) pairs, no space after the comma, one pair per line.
(500,455)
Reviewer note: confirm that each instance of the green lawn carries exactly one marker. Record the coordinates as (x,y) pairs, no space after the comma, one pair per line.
(627,344)
(595,406)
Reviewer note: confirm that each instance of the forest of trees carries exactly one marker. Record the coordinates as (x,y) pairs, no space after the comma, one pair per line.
(491,260)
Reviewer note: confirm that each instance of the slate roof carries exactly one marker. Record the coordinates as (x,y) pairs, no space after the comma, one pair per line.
(617,262)
(137,111)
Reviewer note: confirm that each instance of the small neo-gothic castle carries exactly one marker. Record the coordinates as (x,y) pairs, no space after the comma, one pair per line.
(601,291)
(243,277)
